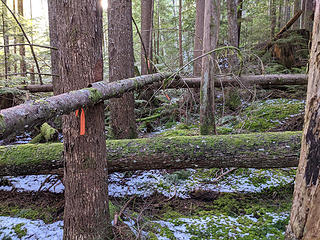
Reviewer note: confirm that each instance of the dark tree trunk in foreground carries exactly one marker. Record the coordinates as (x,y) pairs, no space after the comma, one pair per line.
(86,213)
(304,219)
(198,37)
(210,40)
(121,66)
(257,150)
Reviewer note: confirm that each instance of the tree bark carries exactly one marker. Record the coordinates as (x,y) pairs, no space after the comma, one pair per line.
(232,23)
(210,40)
(304,219)
(273,18)
(86,209)
(245,80)
(257,150)
(198,37)
(22,51)
(180,35)
(53,5)
(121,66)
(239,18)
(296,8)
(308,15)
(5,41)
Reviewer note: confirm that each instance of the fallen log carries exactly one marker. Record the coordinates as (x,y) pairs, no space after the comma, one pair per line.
(246,80)
(258,150)
(17,118)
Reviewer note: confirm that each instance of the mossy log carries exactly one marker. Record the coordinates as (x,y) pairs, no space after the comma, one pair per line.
(259,150)
(17,118)
(47,134)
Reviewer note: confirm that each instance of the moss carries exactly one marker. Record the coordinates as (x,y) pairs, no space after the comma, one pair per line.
(264,115)
(2,124)
(19,230)
(32,212)
(95,95)
(37,139)
(48,132)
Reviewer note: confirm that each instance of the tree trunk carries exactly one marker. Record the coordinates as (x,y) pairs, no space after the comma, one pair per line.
(86,213)
(232,23)
(121,66)
(239,18)
(296,8)
(52,12)
(287,10)
(14,37)
(303,8)
(280,15)
(308,15)
(304,219)
(210,40)
(273,18)
(180,35)
(257,150)
(23,66)
(198,37)
(5,40)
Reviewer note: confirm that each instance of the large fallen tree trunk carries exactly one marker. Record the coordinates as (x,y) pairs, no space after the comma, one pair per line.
(248,80)
(259,150)
(17,118)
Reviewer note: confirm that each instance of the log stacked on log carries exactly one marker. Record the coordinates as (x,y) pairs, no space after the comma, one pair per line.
(259,150)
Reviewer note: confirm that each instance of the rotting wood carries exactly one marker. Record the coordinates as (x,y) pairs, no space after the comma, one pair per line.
(258,150)
(18,118)
(246,80)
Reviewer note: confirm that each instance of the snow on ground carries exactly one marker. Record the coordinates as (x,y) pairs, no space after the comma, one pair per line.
(146,183)
(20,228)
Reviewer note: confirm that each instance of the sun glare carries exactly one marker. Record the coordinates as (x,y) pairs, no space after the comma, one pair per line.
(104,4)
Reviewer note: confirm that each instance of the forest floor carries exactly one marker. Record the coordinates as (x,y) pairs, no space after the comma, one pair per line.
(186,204)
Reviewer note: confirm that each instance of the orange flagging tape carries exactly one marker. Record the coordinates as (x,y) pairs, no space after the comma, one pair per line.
(82,123)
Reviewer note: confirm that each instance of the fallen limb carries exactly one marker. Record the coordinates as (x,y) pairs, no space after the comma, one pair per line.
(247,80)
(259,150)
(17,118)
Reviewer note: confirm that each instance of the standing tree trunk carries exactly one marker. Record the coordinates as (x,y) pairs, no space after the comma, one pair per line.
(308,15)
(52,12)
(304,219)
(198,37)
(121,66)
(23,66)
(296,8)
(210,40)
(14,37)
(287,10)
(5,40)
(239,18)
(86,213)
(232,23)
(273,18)
(180,35)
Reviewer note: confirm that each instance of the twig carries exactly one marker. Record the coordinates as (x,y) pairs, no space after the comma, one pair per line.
(118,215)
(27,44)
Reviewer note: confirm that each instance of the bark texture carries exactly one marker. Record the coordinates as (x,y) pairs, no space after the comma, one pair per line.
(121,66)
(232,23)
(296,8)
(308,14)
(16,119)
(198,37)
(86,213)
(258,150)
(146,35)
(22,50)
(210,40)
(53,6)
(304,219)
